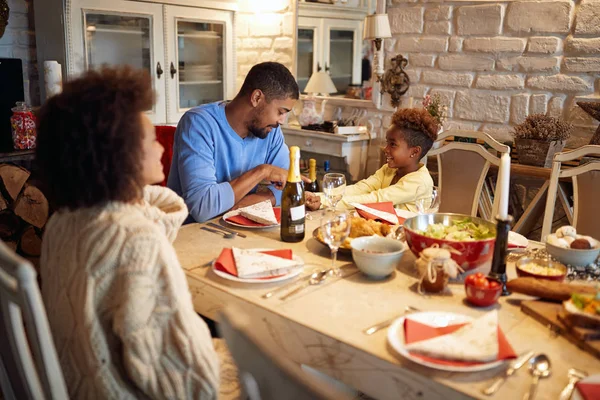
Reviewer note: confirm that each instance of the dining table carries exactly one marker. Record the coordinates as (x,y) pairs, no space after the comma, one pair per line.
(322,325)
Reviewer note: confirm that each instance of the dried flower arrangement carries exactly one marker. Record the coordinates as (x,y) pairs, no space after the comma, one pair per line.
(433,105)
(543,128)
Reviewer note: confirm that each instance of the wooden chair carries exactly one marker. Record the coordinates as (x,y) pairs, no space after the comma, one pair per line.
(586,191)
(29,367)
(264,373)
(462,169)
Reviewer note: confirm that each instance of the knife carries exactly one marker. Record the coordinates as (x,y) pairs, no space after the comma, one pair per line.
(226,229)
(515,365)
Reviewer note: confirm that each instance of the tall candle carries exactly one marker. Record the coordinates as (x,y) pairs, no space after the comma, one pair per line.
(504,178)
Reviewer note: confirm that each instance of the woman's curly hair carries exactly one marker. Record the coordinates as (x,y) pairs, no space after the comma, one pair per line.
(90,138)
(418,126)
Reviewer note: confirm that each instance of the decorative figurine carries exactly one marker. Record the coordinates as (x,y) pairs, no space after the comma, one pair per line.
(395,81)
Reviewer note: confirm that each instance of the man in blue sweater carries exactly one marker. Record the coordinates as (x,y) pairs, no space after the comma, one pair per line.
(223,150)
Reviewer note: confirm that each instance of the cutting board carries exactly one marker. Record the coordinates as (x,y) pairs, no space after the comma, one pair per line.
(550,314)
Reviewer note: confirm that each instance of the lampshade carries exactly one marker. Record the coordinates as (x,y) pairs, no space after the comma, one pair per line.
(320,82)
(377,26)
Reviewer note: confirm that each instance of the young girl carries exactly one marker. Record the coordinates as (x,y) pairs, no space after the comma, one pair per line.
(402,180)
(119,307)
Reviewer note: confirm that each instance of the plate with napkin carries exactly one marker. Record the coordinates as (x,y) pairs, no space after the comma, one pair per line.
(451,342)
(587,388)
(256,216)
(257,265)
(382,212)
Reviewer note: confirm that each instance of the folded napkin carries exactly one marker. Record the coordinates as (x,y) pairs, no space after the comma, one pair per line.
(589,391)
(458,345)
(383,212)
(517,241)
(241,220)
(403,215)
(255,264)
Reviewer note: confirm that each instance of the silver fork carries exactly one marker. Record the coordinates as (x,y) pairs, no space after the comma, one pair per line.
(574,375)
(372,329)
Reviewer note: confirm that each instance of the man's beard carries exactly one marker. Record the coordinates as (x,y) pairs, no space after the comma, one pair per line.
(259,132)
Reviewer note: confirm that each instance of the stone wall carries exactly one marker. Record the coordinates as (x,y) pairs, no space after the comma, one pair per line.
(19,42)
(493,63)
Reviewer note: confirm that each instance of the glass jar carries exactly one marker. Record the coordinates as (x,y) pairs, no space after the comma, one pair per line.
(23,126)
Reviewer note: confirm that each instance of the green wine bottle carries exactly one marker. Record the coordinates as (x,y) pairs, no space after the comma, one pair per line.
(292,201)
(313,186)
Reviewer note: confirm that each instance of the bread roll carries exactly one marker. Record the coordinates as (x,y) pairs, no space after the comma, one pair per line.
(546,289)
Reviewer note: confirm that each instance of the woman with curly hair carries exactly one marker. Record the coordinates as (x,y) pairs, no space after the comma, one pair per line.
(117,299)
(402,180)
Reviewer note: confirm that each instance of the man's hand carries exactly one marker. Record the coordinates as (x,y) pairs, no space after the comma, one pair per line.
(312,201)
(278,176)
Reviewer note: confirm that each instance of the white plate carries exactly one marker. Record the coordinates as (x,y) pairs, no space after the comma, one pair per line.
(291,274)
(517,241)
(235,212)
(589,379)
(436,319)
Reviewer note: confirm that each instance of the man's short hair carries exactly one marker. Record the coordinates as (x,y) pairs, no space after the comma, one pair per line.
(273,79)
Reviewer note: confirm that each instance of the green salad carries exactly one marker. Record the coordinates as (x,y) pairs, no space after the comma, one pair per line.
(463,230)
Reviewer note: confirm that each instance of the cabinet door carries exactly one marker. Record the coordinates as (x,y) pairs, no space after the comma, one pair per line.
(309,57)
(118,32)
(342,52)
(200,67)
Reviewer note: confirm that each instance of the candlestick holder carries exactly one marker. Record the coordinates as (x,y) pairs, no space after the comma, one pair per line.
(498,270)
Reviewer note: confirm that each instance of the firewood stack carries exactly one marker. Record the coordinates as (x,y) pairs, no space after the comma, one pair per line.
(24,212)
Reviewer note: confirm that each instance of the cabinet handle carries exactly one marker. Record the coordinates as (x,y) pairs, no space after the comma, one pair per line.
(159,70)
(173,71)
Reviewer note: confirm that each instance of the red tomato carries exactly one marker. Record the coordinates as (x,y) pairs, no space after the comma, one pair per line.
(482,283)
(479,275)
(470,279)
(494,284)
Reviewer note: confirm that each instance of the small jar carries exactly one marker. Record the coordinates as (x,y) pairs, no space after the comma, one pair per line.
(23,124)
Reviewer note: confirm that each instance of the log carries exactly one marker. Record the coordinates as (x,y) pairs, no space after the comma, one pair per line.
(9,225)
(32,206)
(14,178)
(31,242)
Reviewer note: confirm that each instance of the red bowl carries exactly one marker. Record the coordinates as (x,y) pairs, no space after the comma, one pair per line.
(473,253)
(482,297)
(547,263)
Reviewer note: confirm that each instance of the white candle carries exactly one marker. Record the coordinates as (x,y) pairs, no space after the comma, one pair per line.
(504,178)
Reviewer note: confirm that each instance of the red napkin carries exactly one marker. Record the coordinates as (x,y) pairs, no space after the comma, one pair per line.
(415,332)
(238,219)
(226,263)
(386,206)
(589,391)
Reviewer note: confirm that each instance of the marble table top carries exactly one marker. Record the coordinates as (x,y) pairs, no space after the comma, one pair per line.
(339,309)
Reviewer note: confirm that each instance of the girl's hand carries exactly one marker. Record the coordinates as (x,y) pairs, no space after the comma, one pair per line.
(312,201)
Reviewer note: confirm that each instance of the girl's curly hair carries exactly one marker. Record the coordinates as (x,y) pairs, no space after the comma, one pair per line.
(90,138)
(418,126)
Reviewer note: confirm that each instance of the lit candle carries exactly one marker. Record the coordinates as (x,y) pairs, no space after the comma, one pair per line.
(504,178)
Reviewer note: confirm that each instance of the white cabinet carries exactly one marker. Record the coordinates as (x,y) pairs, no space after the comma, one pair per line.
(188,51)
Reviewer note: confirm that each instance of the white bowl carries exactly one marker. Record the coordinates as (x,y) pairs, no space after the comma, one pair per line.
(377,256)
(574,257)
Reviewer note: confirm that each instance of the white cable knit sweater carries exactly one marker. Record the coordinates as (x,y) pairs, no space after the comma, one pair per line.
(119,306)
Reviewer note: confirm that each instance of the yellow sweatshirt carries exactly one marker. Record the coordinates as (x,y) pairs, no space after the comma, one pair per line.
(377,188)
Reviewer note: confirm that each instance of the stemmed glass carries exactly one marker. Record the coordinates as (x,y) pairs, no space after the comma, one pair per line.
(334,186)
(429,204)
(335,230)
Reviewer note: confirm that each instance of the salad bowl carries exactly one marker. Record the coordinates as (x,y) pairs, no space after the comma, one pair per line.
(472,238)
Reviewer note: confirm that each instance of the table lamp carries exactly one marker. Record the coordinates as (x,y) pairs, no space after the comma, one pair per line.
(319,83)
(377,28)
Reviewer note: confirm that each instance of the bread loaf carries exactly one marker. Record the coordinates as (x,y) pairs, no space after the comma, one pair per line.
(546,289)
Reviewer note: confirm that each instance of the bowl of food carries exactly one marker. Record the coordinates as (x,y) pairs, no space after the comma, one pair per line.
(571,248)
(482,291)
(541,269)
(472,238)
(376,256)
(359,227)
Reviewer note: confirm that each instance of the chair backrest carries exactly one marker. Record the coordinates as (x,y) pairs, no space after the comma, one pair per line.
(29,367)
(165,134)
(462,168)
(586,191)
(264,373)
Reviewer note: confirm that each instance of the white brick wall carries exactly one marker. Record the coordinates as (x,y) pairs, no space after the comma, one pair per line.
(495,63)
(19,42)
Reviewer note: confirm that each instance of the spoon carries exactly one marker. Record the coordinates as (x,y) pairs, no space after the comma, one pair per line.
(230,235)
(539,367)
(574,375)
(315,279)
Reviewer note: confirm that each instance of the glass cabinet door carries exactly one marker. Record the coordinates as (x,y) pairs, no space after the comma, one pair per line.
(200,62)
(306,56)
(120,32)
(341,58)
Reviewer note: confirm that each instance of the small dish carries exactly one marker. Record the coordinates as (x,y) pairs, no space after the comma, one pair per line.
(541,269)
(377,256)
(575,257)
(483,297)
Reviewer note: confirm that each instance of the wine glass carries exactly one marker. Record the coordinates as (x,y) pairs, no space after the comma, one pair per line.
(334,186)
(428,204)
(335,230)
